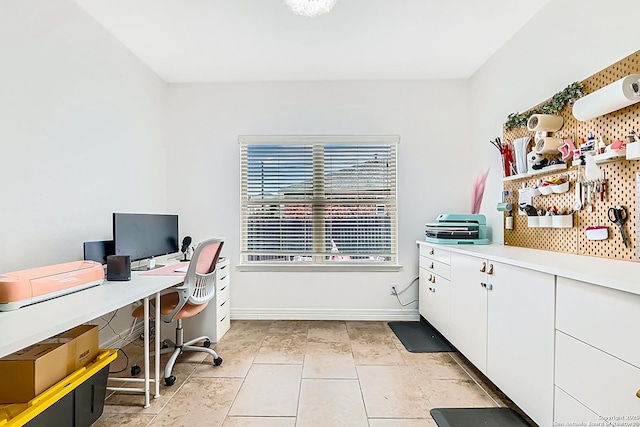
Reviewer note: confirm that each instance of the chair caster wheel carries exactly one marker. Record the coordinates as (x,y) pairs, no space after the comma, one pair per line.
(135,370)
(169,381)
(206,344)
(217,361)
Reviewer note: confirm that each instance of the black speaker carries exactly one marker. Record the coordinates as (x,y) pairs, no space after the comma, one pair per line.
(118,267)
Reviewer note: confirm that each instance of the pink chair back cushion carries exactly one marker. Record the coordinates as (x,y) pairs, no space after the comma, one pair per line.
(207,256)
(168,303)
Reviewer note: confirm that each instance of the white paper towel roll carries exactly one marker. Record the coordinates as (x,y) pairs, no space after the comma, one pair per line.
(617,95)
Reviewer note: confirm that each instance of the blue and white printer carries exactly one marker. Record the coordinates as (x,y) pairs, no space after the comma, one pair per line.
(458,229)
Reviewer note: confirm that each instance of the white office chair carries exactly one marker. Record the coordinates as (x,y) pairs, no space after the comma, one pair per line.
(187,300)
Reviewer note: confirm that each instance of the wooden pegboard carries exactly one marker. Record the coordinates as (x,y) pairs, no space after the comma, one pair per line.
(620,176)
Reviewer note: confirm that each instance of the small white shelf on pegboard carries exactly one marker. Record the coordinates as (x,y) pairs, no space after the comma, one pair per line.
(546,170)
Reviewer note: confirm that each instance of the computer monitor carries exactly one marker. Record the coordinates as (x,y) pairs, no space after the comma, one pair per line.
(143,236)
(98,251)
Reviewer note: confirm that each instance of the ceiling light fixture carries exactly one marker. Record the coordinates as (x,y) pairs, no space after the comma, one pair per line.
(310,8)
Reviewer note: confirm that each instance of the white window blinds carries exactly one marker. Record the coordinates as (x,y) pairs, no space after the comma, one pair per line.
(320,200)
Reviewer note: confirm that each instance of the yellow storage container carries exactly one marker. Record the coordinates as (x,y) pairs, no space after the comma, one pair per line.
(78,398)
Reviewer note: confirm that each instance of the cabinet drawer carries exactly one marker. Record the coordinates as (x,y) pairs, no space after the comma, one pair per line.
(601,317)
(568,410)
(223,290)
(224,308)
(436,267)
(604,384)
(223,324)
(435,253)
(223,272)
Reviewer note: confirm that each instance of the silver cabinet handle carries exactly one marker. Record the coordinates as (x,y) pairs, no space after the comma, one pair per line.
(483,268)
(490,271)
(432,251)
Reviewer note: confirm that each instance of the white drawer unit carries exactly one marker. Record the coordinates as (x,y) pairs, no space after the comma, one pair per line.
(597,358)
(601,317)
(222,300)
(604,384)
(434,289)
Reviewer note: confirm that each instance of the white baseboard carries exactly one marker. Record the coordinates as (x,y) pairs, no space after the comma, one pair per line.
(323,314)
(287,314)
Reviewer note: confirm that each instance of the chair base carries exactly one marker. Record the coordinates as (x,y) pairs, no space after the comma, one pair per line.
(177,350)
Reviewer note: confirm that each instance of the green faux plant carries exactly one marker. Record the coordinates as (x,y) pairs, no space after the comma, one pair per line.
(557,102)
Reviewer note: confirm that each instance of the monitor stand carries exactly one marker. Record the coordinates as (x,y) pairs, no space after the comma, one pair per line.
(146,267)
(151,265)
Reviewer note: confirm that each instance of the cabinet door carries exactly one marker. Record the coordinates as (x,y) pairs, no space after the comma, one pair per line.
(433,300)
(520,337)
(468,323)
(441,306)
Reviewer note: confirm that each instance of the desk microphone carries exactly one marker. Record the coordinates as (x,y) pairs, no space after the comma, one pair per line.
(185,247)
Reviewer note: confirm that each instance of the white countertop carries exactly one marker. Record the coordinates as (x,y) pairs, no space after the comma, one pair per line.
(614,274)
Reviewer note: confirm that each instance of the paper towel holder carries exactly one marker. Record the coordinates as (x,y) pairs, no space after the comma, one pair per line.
(613,97)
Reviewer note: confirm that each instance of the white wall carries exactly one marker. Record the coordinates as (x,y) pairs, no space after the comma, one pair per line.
(81,132)
(432,118)
(567,41)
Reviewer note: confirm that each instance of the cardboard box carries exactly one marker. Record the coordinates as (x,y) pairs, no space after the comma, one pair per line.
(81,343)
(30,371)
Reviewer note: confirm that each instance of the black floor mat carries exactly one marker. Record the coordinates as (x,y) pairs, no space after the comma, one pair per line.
(477,417)
(420,337)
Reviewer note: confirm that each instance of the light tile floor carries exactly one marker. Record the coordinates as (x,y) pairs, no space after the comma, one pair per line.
(305,374)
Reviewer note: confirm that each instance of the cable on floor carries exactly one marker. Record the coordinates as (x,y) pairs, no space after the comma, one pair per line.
(126,366)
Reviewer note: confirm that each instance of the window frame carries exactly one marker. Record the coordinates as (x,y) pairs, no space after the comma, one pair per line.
(318,263)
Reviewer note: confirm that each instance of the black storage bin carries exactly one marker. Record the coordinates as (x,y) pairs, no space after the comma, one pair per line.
(80,408)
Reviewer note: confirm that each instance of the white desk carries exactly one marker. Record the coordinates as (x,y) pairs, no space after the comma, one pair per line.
(29,325)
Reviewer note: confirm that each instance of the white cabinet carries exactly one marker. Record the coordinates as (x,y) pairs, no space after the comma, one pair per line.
(222,300)
(433,292)
(563,350)
(597,357)
(520,338)
(502,320)
(468,331)
(214,321)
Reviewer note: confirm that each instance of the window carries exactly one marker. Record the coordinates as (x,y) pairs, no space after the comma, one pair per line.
(318,200)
